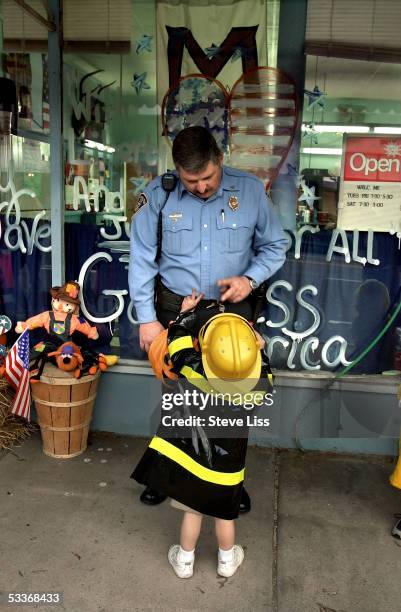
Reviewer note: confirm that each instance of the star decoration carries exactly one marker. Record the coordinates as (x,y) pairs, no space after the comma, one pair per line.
(139,183)
(139,82)
(175,123)
(308,195)
(194,84)
(293,171)
(315,97)
(187,96)
(216,117)
(237,54)
(392,149)
(212,51)
(196,118)
(311,133)
(207,92)
(189,83)
(144,44)
(5,324)
(241,52)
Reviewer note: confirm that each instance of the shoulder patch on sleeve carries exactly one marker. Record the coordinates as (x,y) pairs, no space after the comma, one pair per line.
(241,174)
(141,201)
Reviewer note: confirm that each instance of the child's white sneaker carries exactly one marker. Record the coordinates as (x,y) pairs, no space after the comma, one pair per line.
(229,567)
(183,569)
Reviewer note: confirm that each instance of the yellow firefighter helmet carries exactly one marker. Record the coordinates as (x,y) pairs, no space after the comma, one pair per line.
(230,353)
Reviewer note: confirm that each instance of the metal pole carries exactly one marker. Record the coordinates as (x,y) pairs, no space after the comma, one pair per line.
(56,145)
(291,59)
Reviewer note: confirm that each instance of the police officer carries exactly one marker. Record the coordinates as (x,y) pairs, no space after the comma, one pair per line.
(219,235)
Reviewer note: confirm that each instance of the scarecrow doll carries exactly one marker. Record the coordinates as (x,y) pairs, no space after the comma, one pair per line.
(61,322)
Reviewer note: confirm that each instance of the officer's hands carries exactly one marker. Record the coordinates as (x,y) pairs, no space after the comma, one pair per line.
(234,288)
(147,333)
(190,301)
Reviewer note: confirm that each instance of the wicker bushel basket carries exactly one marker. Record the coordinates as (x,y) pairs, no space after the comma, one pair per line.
(64,407)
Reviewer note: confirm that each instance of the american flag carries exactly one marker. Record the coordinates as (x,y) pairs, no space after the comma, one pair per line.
(17,373)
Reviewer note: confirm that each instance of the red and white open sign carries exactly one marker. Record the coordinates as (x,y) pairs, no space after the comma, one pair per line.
(370,188)
(372,158)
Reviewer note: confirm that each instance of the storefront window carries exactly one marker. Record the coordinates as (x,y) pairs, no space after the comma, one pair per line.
(345,260)
(25,245)
(340,283)
(111,129)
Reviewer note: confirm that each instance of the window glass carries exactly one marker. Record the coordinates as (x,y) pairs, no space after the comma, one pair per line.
(25,244)
(341,280)
(340,284)
(111,125)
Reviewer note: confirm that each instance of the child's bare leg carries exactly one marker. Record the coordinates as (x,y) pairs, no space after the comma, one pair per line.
(230,555)
(181,556)
(225,533)
(190,530)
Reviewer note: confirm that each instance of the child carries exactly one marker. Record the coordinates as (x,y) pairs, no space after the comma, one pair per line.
(201,473)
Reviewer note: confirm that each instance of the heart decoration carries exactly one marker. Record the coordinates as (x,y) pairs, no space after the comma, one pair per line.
(255,124)
(196,100)
(263,118)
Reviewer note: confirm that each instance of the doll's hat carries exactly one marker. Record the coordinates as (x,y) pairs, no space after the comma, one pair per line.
(68,292)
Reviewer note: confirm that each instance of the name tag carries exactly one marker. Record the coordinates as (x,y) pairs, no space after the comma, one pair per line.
(175,216)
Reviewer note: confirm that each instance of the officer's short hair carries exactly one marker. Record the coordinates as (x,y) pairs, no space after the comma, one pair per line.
(194,148)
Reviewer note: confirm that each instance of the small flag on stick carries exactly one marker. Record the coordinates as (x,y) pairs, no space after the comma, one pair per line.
(17,374)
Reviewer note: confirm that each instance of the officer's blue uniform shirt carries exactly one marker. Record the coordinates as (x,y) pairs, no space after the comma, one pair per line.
(203,241)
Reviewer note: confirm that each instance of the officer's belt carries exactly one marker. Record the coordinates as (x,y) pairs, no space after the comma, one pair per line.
(169,300)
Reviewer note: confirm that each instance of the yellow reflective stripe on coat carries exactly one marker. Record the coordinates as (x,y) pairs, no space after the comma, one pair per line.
(196,379)
(179,344)
(178,456)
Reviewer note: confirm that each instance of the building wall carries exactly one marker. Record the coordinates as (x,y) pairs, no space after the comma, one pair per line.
(343,419)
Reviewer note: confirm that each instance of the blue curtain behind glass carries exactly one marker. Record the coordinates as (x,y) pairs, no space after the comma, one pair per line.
(353,300)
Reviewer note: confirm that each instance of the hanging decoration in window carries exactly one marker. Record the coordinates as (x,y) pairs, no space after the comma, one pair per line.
(144,44)
(197,100)
(88,108)
(139,82)
(315,97)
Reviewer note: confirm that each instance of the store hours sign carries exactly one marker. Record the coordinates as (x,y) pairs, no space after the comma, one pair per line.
(370,189)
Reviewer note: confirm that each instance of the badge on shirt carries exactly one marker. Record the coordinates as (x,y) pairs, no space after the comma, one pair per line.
(59,327)
(39,347)
(141,201)
(175,216)
(233,202)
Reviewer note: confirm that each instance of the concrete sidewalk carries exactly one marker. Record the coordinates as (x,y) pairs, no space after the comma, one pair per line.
(77,526)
